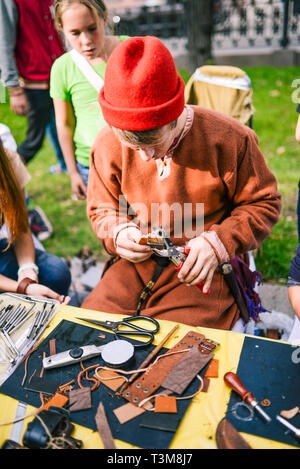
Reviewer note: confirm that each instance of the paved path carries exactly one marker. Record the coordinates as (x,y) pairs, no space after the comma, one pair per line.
(275,298)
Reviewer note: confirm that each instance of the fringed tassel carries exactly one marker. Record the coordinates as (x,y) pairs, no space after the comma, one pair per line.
(247,281)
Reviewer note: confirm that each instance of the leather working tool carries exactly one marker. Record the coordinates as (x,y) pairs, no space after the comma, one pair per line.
(233,381)
(115,354)
(162,246)
(292,428)
(130,328)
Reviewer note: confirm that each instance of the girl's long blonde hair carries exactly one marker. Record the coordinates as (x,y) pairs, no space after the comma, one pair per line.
(97,7)
(13,208)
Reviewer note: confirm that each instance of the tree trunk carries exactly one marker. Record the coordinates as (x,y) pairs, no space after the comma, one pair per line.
(199,28)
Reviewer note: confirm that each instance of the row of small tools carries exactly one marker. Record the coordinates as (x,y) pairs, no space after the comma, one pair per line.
(13,316)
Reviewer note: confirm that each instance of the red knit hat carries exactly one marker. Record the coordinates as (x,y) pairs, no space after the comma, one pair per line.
(142,89)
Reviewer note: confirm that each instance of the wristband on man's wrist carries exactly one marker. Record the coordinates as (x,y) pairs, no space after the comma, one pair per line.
(29,265)
(22,286)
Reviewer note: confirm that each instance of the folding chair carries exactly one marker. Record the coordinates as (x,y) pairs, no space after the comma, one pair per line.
(222,88)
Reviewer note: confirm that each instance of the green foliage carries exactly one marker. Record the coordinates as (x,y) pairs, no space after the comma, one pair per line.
(274,122)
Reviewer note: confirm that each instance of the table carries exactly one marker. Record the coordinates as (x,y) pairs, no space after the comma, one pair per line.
(198,427)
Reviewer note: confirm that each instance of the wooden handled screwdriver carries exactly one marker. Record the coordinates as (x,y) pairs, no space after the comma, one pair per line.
(233,381)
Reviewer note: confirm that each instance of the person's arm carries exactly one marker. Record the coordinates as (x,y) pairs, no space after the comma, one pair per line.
(65,124)
(294,297)
(9,17)
(25,254)
(293,283)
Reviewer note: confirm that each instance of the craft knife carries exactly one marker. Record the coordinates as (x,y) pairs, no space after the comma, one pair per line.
(115,353)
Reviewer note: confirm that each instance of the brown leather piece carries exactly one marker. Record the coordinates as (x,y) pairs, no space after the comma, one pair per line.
(103,428)
(186,370)
(206,382)
(80,399)
(145,385)
(227,437)
(127,412)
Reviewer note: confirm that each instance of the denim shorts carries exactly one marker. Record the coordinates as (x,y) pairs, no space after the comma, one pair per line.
(84,172)
(53,271)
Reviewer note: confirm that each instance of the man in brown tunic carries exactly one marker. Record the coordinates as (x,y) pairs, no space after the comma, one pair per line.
(196,172)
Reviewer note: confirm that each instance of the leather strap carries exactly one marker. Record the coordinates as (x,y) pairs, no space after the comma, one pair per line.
(152,379)
(161,263)
(22,286)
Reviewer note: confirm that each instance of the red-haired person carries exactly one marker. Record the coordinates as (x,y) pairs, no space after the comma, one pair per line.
(24,269)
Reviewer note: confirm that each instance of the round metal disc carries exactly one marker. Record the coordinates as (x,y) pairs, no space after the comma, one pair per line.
(117,353)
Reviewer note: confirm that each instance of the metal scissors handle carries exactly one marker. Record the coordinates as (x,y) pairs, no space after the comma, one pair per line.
(135,330)
(130,328)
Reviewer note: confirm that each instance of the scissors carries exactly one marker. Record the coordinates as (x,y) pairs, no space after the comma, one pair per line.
(130,327)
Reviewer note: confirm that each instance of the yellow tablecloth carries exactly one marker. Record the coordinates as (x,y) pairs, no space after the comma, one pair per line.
(198,427)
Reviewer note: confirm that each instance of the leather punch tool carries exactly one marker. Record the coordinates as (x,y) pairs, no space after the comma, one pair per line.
(162,246)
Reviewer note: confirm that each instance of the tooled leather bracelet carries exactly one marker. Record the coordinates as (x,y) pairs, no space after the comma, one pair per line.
(25,282)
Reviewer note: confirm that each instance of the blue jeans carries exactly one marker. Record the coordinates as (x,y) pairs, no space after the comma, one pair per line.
(51,134)
(84,172)
(40,118)
(53,271)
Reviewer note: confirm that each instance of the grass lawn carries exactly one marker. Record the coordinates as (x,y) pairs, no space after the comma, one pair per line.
(274,122)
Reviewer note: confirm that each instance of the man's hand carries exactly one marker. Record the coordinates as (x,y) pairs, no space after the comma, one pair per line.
(19,103)
(200,264)
(128,247)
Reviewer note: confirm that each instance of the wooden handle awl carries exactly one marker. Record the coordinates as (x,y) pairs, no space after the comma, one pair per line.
(233,381)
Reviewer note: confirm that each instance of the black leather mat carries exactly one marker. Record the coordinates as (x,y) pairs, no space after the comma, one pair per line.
(270,370)
(68,335)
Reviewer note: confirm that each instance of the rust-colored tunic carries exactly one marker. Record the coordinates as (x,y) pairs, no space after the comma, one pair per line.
(217,164)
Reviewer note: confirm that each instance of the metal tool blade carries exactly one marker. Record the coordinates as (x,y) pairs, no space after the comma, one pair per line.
(265,416)
(288,425)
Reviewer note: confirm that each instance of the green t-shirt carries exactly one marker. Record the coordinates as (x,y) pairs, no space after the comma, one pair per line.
(67,83)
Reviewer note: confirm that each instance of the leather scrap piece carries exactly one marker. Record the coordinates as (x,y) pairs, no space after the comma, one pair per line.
(110,378)
(146,384)
(103,428)
(80,399)
(166,404)
(163,422)
(206,382)
(52,346)
(186,370)
(128,412)
(58,400)
(227,436)
(212,369)
(289,414)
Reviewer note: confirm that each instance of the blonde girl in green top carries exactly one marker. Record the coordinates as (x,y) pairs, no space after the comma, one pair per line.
(75,95)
